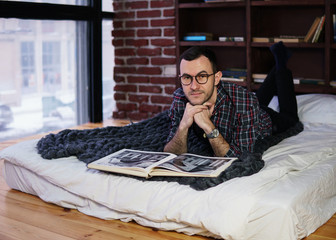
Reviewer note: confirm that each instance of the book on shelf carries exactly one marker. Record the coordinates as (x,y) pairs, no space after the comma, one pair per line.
(198,36)
(319,29)
(313,81)
(260,77)
(231,39)
(147,164)
(233,79)
(262,39)
(221,1)
(289,39)
(334,26)
(333,83)
(234,74)
(310,34)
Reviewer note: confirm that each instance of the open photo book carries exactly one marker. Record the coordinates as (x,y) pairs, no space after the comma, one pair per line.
(147,164)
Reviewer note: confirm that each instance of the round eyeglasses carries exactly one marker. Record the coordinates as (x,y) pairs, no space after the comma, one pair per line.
(201,78)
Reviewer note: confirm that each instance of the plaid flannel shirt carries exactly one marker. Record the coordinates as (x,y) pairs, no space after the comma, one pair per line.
(237,115)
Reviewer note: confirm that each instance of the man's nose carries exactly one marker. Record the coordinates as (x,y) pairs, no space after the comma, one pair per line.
(194,84)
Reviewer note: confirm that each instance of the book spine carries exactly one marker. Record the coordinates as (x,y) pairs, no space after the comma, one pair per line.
(195,38)
(231,39)
(334,26)
(312,30)
(235,74)
(318,30)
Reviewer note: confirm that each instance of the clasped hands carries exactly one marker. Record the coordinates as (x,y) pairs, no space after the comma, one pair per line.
(200,114)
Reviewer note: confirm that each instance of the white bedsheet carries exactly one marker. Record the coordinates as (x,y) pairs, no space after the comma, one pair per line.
(289,198)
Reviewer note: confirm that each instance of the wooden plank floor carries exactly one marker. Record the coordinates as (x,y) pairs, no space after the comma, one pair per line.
(23,216)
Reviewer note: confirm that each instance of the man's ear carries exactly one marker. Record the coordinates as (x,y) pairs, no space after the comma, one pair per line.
(218,77)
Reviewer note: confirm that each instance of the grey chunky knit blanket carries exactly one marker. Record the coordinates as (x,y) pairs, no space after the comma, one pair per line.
(150,135)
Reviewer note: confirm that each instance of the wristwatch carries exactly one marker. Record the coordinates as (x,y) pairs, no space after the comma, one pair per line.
(214,133)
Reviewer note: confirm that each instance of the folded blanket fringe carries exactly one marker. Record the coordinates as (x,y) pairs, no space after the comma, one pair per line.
(150,135)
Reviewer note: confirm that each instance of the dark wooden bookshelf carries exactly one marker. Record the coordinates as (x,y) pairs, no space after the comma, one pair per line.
(259,18)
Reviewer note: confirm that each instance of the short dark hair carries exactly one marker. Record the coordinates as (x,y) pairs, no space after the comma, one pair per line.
(198,51)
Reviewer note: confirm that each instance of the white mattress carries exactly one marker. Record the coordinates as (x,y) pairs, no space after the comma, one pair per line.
(289,198)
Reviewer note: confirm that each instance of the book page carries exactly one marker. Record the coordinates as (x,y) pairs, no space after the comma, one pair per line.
(194,164)
(128,158)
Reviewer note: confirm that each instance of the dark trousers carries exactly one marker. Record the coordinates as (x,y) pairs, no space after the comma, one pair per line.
(280,83)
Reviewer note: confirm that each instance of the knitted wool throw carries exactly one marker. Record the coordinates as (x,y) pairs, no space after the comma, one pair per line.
(150,135)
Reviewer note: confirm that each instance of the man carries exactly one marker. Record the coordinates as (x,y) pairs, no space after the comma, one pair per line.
(229,116)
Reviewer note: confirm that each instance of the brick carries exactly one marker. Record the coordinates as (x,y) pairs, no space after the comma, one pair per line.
(148,32)
(136,5)
(137,42)
(123,33)
(161,99)
(163,80)
(118,69)
(118,24)
(150,108)
(137,116)
(137,23)
(169,90)
(125,88)
(169,32)
(169,12)
(148,14)
(163,42)
(138,98)
(118,42)
(126,106)
(119,61)
(148,52)
(118,79)
(149,70)
(162,4)
(137,61)
(163,61)
(119,96)
(117,5)
(124,52)
(119,115)
(163,22)
(137,79)
(170,51)
(124,15)
(150,89)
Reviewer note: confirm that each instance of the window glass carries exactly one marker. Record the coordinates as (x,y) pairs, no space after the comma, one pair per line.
(68,2)
(108,65)
(38,69)
(107,5)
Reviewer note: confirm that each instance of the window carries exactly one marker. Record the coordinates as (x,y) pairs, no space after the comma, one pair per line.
(27,66)
(51,73)
(70,2)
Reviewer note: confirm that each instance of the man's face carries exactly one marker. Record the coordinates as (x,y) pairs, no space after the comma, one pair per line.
(196,93)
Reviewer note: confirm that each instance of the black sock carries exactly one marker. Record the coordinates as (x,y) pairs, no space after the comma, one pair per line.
(281,55)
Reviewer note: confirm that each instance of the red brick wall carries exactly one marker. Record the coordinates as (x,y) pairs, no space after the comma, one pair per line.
(144,41)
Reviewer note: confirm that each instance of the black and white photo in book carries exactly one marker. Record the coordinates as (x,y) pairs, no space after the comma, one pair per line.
(193,163)
(147,164)
(131,158)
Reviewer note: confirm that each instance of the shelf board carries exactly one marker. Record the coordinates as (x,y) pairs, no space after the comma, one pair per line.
(213,43)
(211,5)
(290,45)
(288,3)
(304,88)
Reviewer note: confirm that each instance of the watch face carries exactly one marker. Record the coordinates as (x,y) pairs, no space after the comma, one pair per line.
(214,133)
